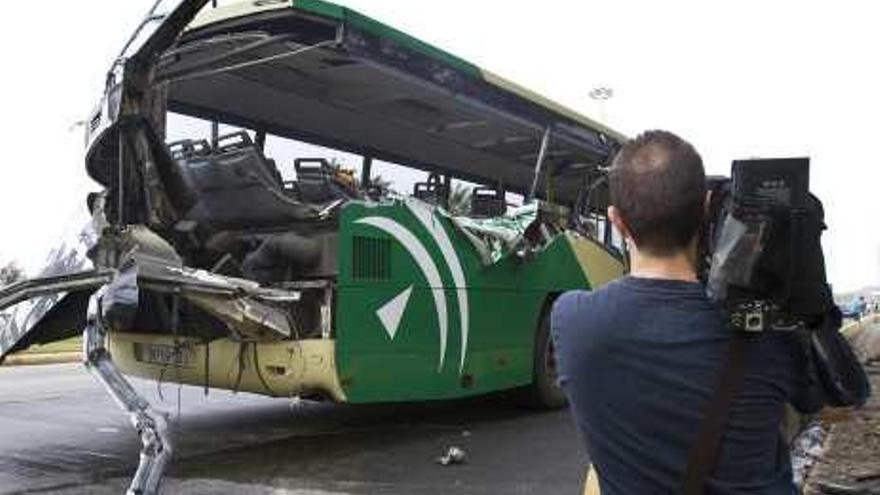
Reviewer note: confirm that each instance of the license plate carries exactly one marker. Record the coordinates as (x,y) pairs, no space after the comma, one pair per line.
(165,355)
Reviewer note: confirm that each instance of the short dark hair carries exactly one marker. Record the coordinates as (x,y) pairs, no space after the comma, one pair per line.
(658,184)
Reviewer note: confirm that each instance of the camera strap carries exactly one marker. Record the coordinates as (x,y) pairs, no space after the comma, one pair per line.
(704,454)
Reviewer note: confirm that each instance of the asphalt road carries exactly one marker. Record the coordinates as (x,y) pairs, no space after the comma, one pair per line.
(60,433)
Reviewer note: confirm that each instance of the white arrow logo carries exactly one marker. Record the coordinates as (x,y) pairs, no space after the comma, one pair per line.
(432,275)
(391,313)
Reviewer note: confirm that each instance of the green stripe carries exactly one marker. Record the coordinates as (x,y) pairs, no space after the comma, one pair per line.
(321,8)
(372,26)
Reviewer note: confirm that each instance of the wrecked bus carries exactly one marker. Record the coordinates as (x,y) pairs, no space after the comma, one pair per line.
(213,259)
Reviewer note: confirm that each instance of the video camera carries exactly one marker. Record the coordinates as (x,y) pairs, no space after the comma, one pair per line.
(761,251)
(762,262)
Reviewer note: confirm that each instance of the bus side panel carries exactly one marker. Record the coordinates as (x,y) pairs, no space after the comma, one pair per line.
(516,293)
(393,292)
(597,263)
(390,308)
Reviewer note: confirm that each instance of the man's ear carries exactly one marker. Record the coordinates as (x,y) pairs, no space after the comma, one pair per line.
(619,223)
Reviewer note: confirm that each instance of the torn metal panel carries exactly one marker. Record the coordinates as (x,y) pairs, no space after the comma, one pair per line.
(496,237)
(120,299)
(45,286)
(243,305)
(66,271)
(247,316)
(31,301)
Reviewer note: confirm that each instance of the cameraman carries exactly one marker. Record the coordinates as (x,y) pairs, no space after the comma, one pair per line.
(640,357)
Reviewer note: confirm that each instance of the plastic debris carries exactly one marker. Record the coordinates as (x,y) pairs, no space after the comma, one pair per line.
(806,450)
(453,455)
(835,489)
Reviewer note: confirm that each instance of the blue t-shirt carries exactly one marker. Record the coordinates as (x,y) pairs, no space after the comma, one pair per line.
(639,360)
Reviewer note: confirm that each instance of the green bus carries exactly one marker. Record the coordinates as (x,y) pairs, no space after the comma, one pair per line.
(229,249)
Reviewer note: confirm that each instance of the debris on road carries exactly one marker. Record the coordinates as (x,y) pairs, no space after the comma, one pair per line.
(807,449)
(835,489)
(453,455)
(848,464)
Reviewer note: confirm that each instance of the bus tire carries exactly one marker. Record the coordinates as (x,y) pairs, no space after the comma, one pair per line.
(545,393)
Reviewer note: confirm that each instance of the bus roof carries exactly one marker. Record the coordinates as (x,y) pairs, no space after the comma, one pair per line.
(380,92)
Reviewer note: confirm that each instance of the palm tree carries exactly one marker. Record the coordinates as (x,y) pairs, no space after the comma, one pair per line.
(380,182)
(459,203)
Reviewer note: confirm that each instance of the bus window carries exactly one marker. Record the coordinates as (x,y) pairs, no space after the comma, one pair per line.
(514,200)
(618,244)
(460,197)
(286,151)
(179,127)
(601,224)
(397,178)
(480,200)
(617,241)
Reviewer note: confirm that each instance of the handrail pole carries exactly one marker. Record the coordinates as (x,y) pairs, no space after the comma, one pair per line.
(545,143)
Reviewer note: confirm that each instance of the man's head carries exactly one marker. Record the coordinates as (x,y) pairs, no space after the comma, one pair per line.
(658,191)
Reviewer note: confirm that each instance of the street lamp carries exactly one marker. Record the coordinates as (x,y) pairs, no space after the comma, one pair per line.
(602,94)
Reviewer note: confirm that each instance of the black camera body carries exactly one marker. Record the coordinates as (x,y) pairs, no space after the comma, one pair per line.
(762,263)
(762,256)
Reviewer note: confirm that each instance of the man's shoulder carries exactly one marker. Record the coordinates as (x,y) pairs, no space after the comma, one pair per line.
(584,310)
(574,301)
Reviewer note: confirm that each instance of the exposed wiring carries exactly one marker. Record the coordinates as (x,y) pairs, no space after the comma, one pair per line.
(221,70)
(194,46)
(241,359)
(260,373)
(176,355)
(207,366)
(302,359)
(159,383)
(227,55)
(293,318)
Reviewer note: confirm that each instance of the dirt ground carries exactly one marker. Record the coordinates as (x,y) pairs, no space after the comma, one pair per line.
(851,460)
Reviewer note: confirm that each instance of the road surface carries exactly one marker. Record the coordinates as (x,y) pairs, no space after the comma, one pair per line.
(60,433)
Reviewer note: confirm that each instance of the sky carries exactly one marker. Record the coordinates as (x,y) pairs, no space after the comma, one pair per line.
(737,79)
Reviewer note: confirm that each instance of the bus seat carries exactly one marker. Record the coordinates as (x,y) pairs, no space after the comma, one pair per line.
(487,202)
(433,191)
(234,184)
(188,148)
(313,180)
(240,141)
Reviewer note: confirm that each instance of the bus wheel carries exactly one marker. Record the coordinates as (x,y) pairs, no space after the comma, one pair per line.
(545,391)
